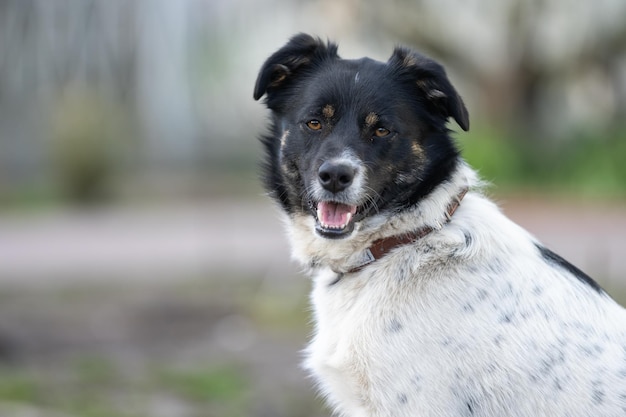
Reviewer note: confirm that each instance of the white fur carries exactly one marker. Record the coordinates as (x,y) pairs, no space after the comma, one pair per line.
(468,321)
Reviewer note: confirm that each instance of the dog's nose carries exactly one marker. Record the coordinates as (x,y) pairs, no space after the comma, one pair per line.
(336,176)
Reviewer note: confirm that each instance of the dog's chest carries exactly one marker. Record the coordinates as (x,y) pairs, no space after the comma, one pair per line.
(363,353)
(341,355)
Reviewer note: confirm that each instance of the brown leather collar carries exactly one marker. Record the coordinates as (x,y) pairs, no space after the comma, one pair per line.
(383,246)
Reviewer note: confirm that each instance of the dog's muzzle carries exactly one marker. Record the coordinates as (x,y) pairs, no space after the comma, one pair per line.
(334,213)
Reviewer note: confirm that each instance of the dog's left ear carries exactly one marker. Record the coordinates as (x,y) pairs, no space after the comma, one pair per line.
(430,77)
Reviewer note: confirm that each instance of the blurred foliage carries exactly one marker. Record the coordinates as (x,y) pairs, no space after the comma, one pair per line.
(86,141)
(584,164)
(590,165)
(221,391)
(18,386)
(181,73)
(85,391)
(496,160)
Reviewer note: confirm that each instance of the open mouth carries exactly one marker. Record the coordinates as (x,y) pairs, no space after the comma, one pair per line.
(334,220)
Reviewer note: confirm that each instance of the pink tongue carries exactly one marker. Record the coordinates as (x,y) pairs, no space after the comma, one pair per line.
(334,214)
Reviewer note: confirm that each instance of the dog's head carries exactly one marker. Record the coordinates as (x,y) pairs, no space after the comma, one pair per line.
(352,138)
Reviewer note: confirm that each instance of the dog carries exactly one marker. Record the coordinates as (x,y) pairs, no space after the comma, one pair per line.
(427,300)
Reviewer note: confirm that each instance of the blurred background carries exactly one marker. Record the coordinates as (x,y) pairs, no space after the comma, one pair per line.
(142,270)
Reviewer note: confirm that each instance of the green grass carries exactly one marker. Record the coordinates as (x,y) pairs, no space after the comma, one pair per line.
(583,165)
(100,388)
(205,384)
(20,387)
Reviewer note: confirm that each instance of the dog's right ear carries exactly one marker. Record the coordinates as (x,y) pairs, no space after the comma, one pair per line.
(300,52)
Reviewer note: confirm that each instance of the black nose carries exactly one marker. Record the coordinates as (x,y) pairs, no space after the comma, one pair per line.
(336,176)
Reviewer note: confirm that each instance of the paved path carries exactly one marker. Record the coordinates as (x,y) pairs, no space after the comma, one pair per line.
(243,237)
(142,242)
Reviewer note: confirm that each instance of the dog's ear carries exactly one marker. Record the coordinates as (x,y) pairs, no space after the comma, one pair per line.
(430,77)
(300,52)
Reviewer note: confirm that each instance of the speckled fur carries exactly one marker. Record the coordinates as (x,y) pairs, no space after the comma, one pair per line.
(477,318)
(468,321)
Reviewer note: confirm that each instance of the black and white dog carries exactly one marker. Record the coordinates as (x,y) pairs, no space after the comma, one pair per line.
(428,301)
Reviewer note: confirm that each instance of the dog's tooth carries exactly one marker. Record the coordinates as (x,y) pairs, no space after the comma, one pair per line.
(334,227)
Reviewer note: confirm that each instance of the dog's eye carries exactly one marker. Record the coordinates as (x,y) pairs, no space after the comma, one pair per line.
(381,132)
(314,124)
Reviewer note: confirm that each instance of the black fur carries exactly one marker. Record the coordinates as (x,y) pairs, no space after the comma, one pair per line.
(411,97)
(557,260)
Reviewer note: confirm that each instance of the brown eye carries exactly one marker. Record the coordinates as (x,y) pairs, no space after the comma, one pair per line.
(381,132)
(314,124)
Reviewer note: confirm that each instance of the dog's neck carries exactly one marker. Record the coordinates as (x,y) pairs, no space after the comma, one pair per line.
(345,255)
(382,247)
